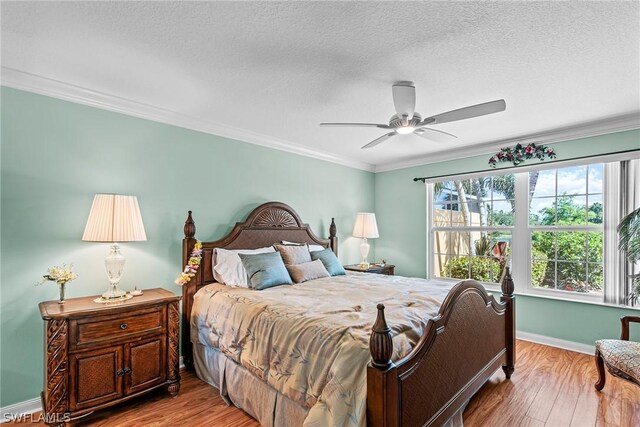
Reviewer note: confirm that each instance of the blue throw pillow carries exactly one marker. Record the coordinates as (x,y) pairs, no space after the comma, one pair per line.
(330,261)
(265,270)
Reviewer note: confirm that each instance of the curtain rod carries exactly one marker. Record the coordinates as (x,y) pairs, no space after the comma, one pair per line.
(425,178)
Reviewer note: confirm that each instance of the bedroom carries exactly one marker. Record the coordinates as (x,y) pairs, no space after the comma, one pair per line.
(189,109)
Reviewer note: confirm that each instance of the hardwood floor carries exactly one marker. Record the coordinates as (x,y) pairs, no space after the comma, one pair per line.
(551,387)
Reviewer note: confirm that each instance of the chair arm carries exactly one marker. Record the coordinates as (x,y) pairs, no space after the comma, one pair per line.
(624,335)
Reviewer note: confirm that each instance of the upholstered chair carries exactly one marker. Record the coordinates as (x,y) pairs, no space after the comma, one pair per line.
(621,357)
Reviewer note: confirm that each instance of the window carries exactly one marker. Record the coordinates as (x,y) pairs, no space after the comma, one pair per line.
(471,228)
(548,223)
(565,229)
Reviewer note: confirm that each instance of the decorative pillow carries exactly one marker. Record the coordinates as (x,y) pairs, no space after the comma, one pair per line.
(293,254)
(312,248)
(330,261)
(265,270)
(307,271)
(228,268)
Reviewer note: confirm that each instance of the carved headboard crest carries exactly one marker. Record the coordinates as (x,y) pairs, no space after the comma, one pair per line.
(276,217)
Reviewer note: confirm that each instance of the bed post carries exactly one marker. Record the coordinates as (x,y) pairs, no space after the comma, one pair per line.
(382,385)
(188,290)
(332,237)
(510,322)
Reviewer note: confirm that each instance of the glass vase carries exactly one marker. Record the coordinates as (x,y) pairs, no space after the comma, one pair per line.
(61,288)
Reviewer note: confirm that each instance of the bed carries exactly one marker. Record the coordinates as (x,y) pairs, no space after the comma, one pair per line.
(420,375)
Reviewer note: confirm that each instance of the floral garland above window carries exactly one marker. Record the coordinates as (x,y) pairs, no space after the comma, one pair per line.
(520,153)
(192,265)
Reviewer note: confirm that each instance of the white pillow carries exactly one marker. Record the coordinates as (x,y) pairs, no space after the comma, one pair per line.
(312,248)
(228,268)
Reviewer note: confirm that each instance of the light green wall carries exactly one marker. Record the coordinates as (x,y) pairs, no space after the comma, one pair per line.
(56,155)
(401,214)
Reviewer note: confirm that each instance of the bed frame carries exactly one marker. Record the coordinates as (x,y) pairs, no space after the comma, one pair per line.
(462,347)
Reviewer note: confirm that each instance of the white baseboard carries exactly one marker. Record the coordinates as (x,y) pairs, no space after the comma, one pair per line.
(27,407)
(30,406)
(557,342)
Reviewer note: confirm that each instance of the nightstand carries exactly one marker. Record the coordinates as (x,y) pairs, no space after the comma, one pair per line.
(387,269)
(97,355)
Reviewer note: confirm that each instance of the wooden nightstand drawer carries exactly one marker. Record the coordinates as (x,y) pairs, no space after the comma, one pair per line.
(107,328)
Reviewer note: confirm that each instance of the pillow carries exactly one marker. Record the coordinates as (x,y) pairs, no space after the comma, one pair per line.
(330,261)
(307,271)
(312,248)
(265,270)
(228,268)
(293,254)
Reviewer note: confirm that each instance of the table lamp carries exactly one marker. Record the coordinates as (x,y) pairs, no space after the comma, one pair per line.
(365,228)
(114,218)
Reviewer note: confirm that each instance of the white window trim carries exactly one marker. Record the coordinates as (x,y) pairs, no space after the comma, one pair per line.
(521,234)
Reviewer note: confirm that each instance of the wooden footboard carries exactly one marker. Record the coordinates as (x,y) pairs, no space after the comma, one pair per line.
(472,336)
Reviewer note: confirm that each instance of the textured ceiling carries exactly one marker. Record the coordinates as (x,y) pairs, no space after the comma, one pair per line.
(276,70)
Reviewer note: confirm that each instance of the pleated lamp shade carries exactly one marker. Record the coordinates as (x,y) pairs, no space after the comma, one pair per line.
(114,218)
(365,226)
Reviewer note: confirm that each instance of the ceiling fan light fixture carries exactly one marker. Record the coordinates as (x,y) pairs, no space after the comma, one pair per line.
(405,130)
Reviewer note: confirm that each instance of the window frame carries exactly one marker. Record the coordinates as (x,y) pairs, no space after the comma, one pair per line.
(521,232)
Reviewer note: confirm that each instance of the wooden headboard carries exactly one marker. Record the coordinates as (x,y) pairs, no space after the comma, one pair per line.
(267,224)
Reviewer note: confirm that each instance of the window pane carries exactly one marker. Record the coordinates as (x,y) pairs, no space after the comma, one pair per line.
(595,178)
(571,210)
(542,183)
(459,267)
(595,247)
(543,245)
(572,180)
(595,277)
(594,212)
(571,246)
(572,276)
(542,211)
(442,217)
(500,212)
(543,274)
(502,187)
(441,241)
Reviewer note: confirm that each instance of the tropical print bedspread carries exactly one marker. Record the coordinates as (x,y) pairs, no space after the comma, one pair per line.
(310,341)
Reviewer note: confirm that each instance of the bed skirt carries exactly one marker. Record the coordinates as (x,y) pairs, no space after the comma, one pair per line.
(242,389)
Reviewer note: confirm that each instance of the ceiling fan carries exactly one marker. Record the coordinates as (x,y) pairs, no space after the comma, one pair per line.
(407,121)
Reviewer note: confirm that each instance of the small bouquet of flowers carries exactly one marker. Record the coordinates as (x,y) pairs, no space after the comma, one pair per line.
(60,275)
(192,265)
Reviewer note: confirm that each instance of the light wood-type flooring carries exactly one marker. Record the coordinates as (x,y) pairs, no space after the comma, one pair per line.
(550,387)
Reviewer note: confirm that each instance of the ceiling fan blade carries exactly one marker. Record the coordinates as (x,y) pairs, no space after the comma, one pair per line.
(377,141)
(467,112)
(434,135)
(404,99)
(376,125)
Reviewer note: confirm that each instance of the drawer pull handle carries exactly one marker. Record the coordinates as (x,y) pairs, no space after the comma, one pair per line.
(120,372)
(127,370)
(123,326)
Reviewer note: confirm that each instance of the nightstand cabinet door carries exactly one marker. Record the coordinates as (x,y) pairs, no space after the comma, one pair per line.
(95,377)
(146,361)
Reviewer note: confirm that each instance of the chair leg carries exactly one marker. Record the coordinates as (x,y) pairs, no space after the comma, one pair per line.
(601,375)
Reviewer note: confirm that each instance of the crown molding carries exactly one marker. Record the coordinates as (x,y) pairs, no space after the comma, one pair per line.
(30,82)
(583,130)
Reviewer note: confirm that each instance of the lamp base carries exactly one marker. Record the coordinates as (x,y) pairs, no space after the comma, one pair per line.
(364,251)
(113,292)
